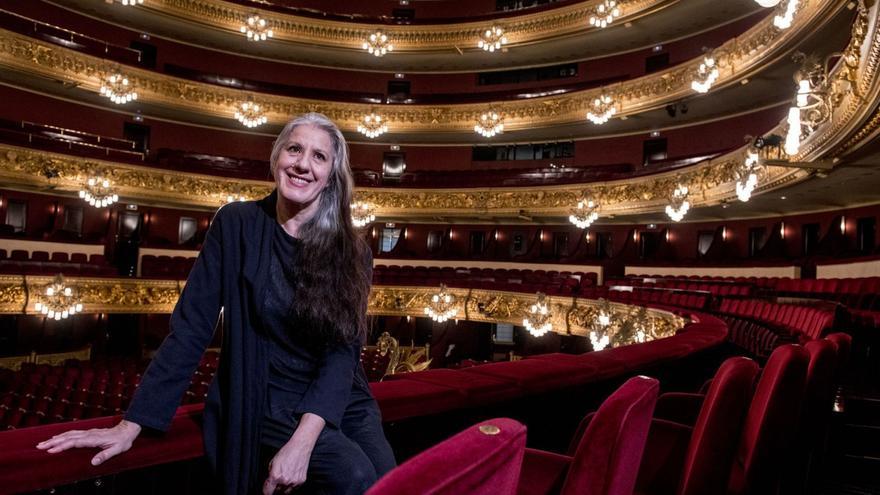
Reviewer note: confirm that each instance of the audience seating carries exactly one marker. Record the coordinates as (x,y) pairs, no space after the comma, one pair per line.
(761,326)
(44,263)
(771,423)
(607,458)
(166,267)
(687,457)
(484,459)
(43,394)
(550,282)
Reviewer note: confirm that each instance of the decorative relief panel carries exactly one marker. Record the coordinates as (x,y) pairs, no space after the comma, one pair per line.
(112,295)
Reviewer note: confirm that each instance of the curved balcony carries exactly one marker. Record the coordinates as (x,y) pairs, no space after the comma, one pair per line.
(548,114)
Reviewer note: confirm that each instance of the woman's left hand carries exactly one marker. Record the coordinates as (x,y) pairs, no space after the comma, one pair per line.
(289,467)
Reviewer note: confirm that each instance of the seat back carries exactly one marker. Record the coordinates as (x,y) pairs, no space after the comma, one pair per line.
(481,460)
(770,422)
(843,341)
(607,459)
(718,427)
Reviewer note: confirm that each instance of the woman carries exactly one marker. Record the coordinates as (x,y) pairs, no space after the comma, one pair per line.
(292,278)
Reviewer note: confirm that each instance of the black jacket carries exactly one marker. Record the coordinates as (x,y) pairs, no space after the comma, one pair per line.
(230,274)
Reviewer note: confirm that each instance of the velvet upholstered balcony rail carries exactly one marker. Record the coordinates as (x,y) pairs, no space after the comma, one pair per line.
(24,468)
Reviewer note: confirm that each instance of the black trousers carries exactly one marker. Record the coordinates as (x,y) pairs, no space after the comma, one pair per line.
(346,460)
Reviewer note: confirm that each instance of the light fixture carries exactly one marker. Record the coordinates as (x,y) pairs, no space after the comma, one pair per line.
(784,21)
(585,214)
(250,114)
(793,136)
(537,322)
(492,39)
(372,126)
(602,109)
(118,88)
(441,307)
(767,3)
(97,192)
(707,74)
(256,28)
(748,175)
(599,337)
(361,214)
(130,3)
(605,13)
(489,124)
(377,44)
(232,198)
(58,301)
(678,204)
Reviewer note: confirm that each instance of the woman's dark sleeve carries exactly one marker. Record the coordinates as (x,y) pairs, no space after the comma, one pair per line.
(329,393)
(191,329)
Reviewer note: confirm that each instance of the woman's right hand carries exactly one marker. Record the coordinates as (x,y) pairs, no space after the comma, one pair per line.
(111,441)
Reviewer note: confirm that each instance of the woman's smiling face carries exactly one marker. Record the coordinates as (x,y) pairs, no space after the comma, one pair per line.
(303,167)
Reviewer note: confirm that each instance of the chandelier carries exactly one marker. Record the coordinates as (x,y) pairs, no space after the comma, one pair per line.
(118,88)
(492,39)
(58,301)
(372,126)
(813,103)
(599,337)
(232,198)
(784,21)
(678,204)
(602,109)
(707,74)
(767,3)
(537,322)
(361,214)
(748,179)
(605,14)
(250,114)
(442,306)
(256,28)
(377,44)
(585,214)
(489,124)
(97,192)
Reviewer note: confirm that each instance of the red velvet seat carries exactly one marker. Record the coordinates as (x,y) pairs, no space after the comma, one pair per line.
(404,398)
(704,467)
(770,423)
(477,389)
(537,376)
(607,458)
(481,460)
(843,341)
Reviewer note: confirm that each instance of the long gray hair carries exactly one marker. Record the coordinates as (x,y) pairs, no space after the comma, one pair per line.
(334,262)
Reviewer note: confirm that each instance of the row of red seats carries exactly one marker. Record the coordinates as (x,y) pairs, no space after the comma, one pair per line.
(759,282)
(805,322)
(661,297)
(45,394)
(42,263)
(856,293)
(735,438)
(171,267)
(716,288)
(760,326)
(526,280)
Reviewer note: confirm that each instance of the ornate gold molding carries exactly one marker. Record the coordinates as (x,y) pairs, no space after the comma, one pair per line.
(521,29)
(737,58)
(23,167)
(854,88)
(711,182)
(138,296)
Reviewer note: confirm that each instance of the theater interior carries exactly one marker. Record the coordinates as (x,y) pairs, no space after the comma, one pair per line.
(620,246)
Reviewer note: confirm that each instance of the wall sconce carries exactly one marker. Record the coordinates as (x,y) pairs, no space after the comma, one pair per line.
(450,234)
(843,225)
(588,237)
(724,233)
(405,233)
(782,230)
(668,235)
(635,236)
